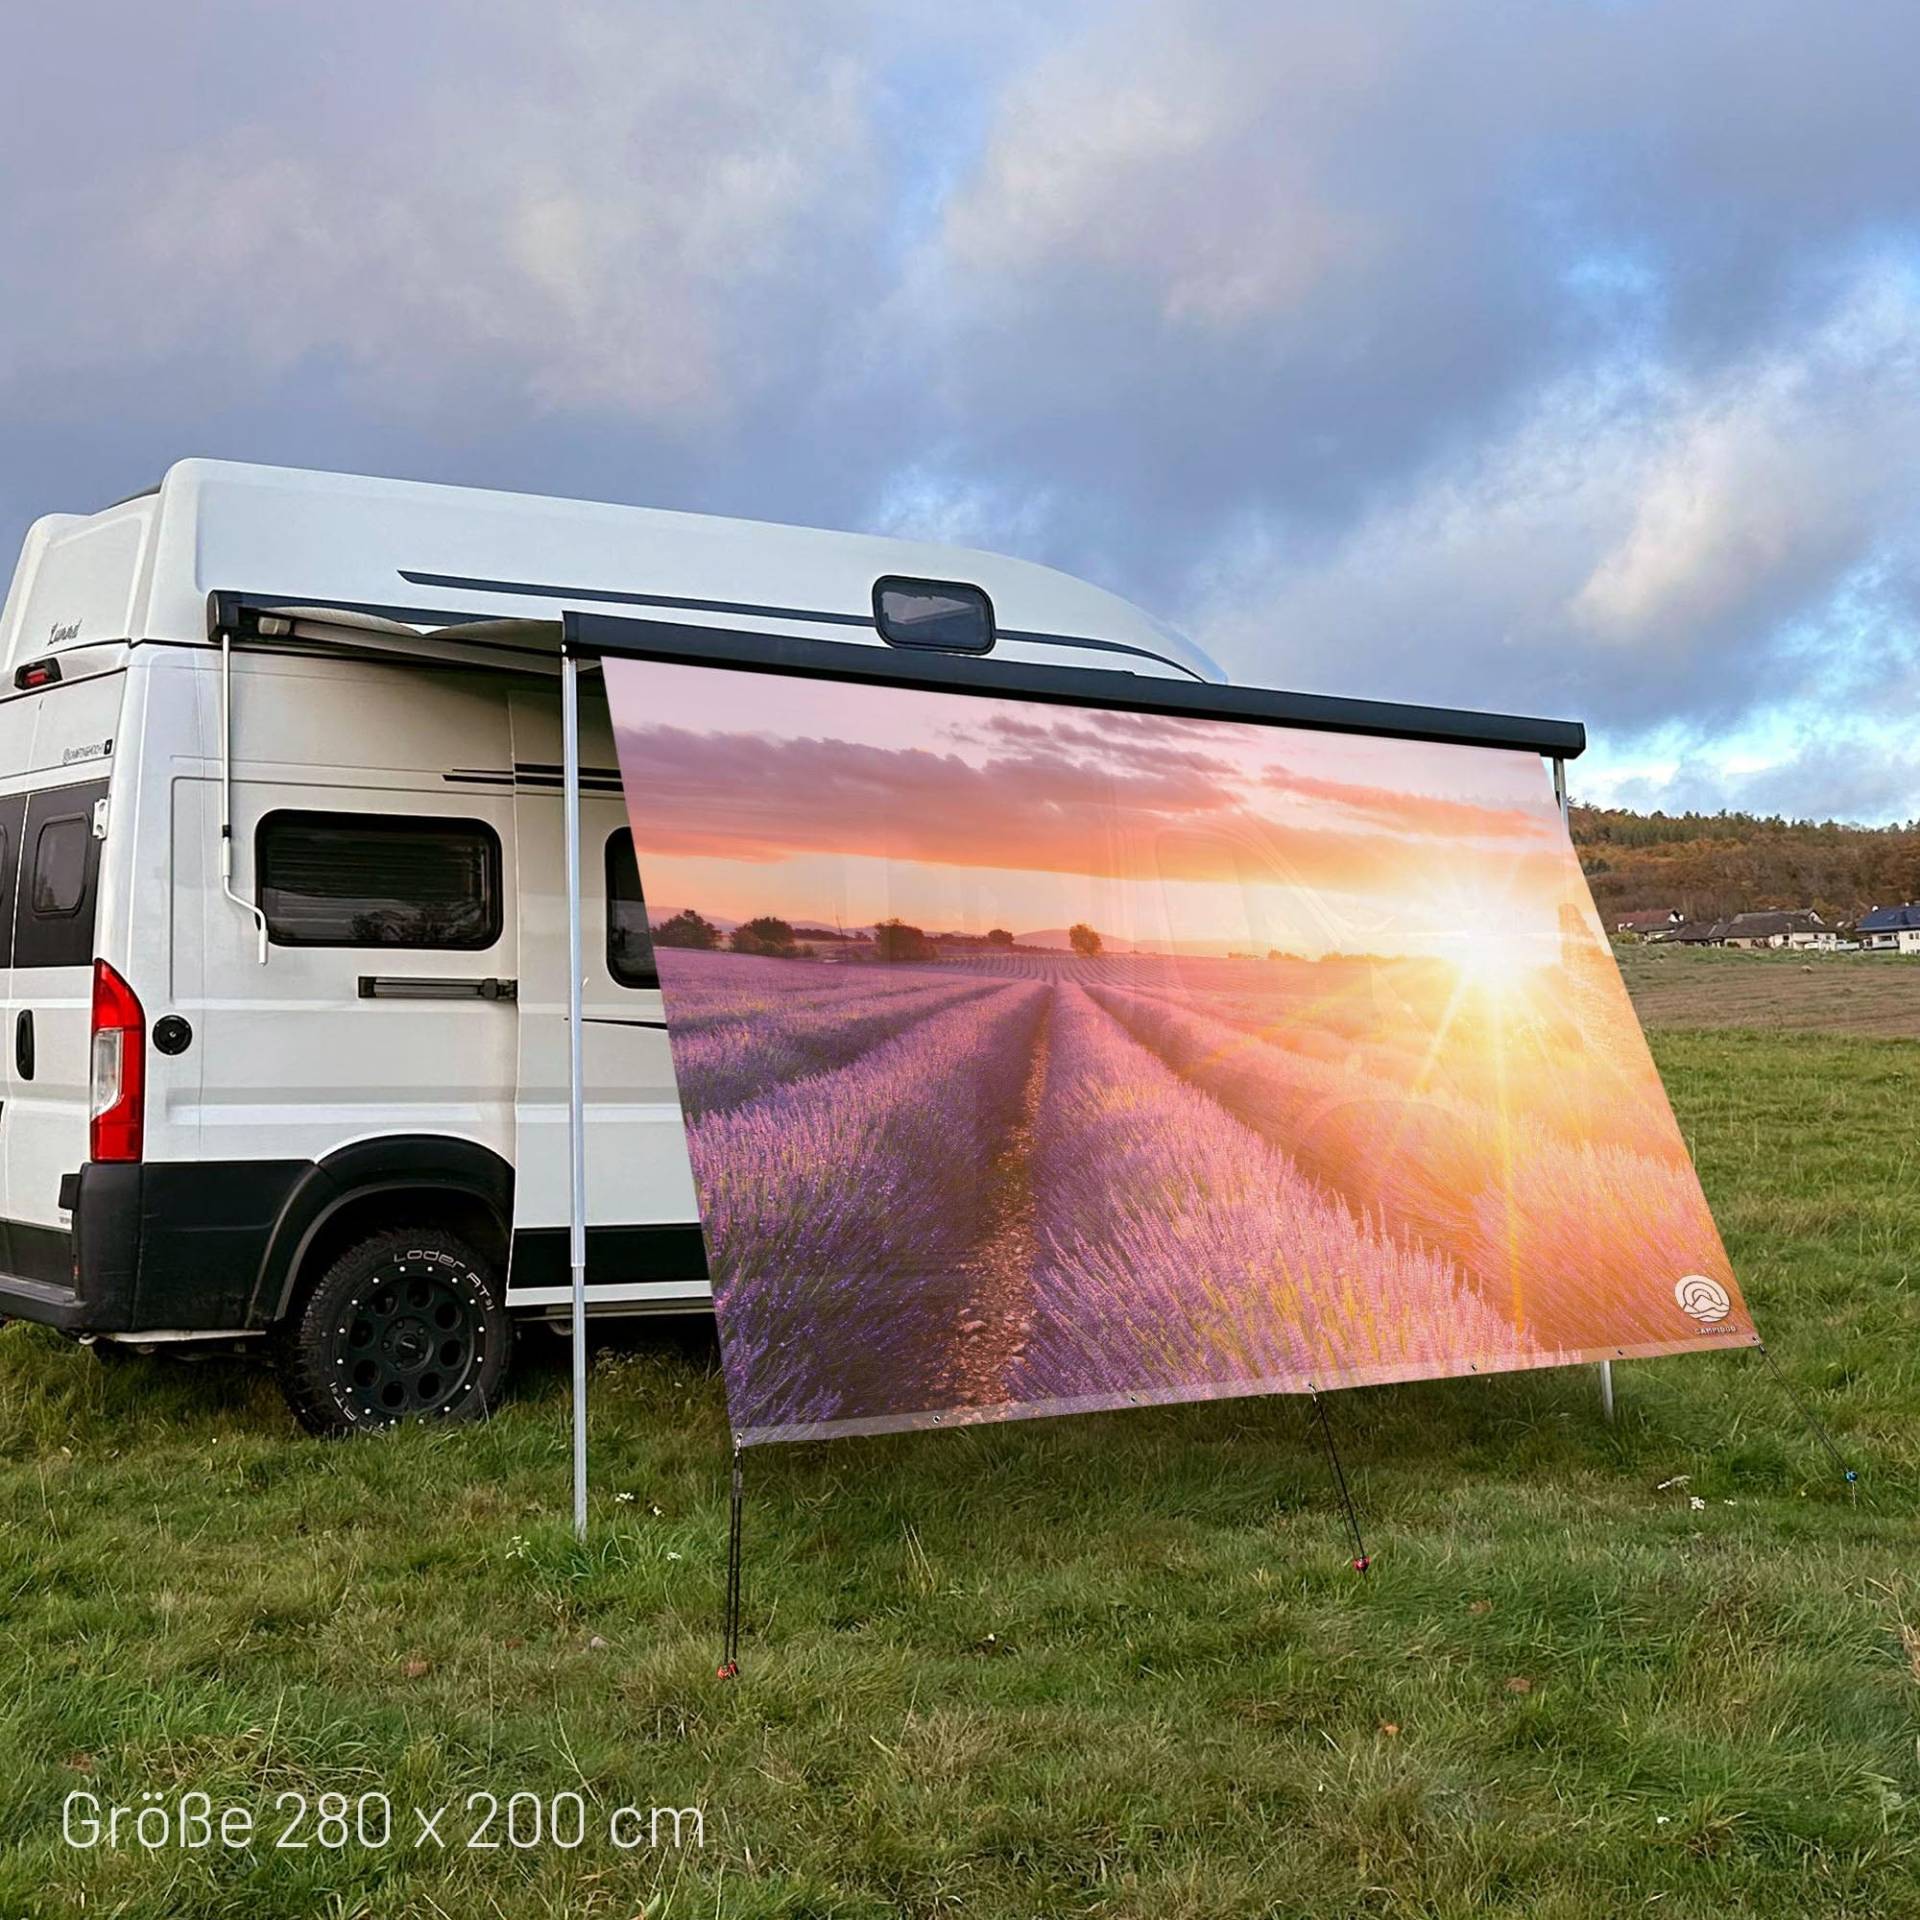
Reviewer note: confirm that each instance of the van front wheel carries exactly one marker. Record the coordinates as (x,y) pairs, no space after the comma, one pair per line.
(406,1325)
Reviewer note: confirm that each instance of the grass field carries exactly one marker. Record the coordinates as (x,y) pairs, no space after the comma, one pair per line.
(1112,1665)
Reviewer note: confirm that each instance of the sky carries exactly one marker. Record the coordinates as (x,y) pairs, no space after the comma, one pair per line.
(827,804)
(1558,356)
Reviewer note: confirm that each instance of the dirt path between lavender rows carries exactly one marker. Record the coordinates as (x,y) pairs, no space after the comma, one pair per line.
(995,1309)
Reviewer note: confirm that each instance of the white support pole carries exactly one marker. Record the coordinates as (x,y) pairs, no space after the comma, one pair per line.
(1560,798)
(576,1107)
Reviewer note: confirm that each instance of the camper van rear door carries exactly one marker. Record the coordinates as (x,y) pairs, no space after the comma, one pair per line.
(56,897)
(13,814)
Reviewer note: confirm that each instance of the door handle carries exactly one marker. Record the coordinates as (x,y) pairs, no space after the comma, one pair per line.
(374,986)
(23,1043)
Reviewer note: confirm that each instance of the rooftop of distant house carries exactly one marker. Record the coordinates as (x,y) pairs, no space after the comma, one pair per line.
(1766,923)
(1891,919)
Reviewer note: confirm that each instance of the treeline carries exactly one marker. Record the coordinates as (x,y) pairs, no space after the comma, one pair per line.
(1711,864)
(771,938)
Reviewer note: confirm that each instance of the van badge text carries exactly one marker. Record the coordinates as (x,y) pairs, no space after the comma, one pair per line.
(61,634)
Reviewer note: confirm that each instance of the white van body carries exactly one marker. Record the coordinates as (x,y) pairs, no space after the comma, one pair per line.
(391,652)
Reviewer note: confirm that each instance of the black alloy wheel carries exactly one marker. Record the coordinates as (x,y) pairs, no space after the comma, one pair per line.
(407,1325)
(409,1344)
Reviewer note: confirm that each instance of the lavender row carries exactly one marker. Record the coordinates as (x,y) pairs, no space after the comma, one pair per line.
(1572,1235)
(1595,1082)
(727,1063)
(839,1209)
(703,989)
(1180,1251)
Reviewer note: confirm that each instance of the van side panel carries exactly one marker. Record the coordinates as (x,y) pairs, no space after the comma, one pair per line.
(380,1052)
(644,1247)
(316,1049)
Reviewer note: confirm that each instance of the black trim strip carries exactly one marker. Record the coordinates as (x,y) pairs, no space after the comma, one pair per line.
(616,1256)
(535,773)
(536,783)
(1102,646)
(463,583)
(228,610)
(609,1020)
(589,635)
(602,596)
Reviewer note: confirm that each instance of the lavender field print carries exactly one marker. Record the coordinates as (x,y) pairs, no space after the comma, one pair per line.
(1039,1059)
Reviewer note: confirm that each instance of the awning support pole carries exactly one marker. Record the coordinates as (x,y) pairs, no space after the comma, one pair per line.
(576,1109)
(1560,798)
(729,1667)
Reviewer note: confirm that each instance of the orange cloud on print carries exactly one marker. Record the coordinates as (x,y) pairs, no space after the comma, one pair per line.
(1087,796)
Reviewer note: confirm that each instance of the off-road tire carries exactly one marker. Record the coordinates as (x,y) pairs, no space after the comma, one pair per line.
(410,1324)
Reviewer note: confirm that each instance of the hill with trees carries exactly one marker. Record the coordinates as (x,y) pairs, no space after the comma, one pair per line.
(1712,864)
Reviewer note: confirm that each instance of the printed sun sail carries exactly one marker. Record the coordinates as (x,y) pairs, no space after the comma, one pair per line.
(1039,1058)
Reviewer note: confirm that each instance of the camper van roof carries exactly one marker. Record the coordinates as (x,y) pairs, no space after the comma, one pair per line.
(440,556)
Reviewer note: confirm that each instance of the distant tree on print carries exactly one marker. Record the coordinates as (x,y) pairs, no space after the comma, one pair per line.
(903,945)
(999,937)
(687,929)
(765,935)
(1083,940)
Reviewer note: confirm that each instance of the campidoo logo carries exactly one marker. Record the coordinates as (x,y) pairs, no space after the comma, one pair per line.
(1707,1300)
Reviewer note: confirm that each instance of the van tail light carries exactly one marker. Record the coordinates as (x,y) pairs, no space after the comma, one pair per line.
(118,1104)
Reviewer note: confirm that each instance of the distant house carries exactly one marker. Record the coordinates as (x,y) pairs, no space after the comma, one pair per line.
(1655,924)
(1891,929)
(1693,933)
(1801,929)
(1798,928)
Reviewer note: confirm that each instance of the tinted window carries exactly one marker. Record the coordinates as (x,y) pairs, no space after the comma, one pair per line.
(946,614)
(629,947)
(371,880)
(59,867)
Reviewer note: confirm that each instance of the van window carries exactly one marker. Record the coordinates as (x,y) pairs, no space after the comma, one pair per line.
(59,868)
(629,945)
(378,880)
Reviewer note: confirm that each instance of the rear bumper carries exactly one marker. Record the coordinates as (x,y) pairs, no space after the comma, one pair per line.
(41,1300)
(152,1246)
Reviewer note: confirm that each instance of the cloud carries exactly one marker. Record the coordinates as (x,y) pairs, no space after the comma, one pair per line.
(1555,357)
(594,205)
(1626,543)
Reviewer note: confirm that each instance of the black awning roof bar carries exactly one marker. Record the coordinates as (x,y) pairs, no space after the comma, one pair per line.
(587,636)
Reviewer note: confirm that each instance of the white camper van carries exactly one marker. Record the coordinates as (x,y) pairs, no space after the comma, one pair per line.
(285,926)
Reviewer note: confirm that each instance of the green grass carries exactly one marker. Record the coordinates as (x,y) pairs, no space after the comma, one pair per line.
(1111,1666)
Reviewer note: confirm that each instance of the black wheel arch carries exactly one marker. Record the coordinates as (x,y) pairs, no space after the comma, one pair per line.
(357,1187)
